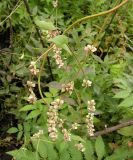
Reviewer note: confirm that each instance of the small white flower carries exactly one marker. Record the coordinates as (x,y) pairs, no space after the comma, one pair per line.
(80,147)
(55,4)
(89,117)
(86,83)
(67,135)
(68,87)
(32,98)
(37,135)
(57,56)
(75,126)
(30,84)
(53,118)
(90,48)
(33,68)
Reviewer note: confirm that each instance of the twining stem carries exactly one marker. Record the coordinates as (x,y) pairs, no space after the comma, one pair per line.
(39,76)
(13,11)
(95,15)
(44,55)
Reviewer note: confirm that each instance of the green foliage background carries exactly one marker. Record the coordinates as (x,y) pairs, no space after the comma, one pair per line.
(110,70)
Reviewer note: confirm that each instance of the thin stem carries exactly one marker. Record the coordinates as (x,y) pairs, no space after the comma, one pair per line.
(39,76)
(95,15)
(13,11)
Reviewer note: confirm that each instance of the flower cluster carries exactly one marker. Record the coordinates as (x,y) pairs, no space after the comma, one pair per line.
(30,84)
(37,135)
(55,4)
(33,68)
(67,135)
(68,87)
(32,97)
(86,83)
(80,147)
(57,56)
(89,117)
(60,123)
(53,118)
(75,126)
(90,48)
(53,33)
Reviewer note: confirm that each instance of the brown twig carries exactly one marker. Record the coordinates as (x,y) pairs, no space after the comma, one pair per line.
(114,128)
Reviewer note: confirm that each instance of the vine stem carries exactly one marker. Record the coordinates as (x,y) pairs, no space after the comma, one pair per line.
(45,54)
(19,3)
(95,15)
(114,128)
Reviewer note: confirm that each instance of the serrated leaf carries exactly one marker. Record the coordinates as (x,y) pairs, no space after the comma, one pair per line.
(27,108)
(89,150)
(33,114)
(122,94)
(63,146)
(60,40)
(65,155)
(100,147)
(126,131)
(128,102)
(52,153)
(45,25)
(75,153)
(23,154)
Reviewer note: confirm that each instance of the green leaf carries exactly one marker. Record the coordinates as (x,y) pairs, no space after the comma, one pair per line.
(47,94)
(23,154)
(77,138)
(74,152)
(54,91)
(66,48)
(128,102)
(126,131)
(63,146)
(97,58)
(20,127)
(19,136)
(12,130)
(122,94)
(27,108)
(65,155)
(89,150)
(40,147)
(100,147)
(52,153)
(121,153)
(33,114)
(45,25)
(60,40)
